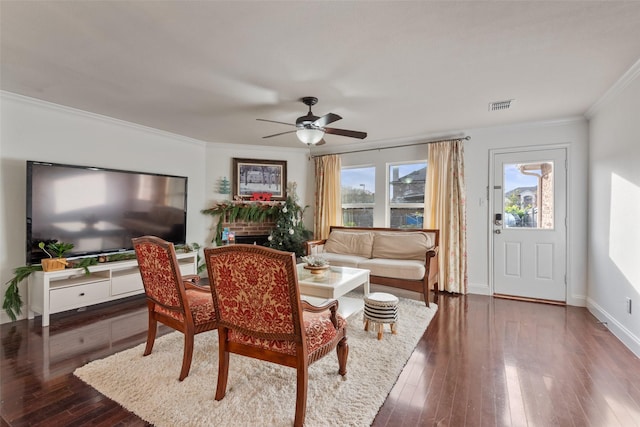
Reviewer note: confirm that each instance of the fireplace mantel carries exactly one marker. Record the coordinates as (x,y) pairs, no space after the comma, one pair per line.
(244,218)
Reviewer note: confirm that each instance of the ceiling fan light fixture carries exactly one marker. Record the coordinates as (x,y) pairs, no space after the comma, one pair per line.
(310,136)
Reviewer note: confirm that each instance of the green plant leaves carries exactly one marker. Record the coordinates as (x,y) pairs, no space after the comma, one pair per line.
(12,303)
(232,212)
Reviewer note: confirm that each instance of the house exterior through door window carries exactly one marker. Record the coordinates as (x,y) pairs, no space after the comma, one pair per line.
(528,197)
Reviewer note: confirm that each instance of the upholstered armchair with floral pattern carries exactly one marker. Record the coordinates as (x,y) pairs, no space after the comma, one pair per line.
(172,299)
(260,315)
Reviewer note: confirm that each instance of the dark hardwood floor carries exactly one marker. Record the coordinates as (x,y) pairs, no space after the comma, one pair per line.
(481,362)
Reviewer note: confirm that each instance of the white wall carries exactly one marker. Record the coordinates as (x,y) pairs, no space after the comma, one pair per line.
(614,209)
(572,134)
(219,161)
(35,130)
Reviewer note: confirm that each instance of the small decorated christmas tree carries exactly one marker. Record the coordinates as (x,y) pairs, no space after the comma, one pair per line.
(289,233)
(225,186)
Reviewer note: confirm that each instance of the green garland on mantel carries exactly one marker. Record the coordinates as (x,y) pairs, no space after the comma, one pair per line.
(241,211)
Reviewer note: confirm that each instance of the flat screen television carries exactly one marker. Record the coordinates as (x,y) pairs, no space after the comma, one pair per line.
(100,210)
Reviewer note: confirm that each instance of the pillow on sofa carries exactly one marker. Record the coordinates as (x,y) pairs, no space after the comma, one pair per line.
(343,242)
(408,245)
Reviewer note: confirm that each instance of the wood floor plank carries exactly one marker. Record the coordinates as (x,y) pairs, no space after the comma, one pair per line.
(482,362)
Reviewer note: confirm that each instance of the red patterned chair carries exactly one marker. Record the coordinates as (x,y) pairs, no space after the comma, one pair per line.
(172,299)
(260,315)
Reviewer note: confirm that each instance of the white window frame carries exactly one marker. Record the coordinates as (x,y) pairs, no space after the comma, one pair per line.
(388,204)
(371,206)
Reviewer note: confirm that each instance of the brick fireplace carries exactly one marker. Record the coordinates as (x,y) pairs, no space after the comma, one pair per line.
(250,232)
(252,221)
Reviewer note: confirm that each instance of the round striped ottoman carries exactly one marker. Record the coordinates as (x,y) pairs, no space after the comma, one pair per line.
(380,308)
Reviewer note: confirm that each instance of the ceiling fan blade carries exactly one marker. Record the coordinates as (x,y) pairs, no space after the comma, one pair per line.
(278,134)
(273,121)
(326,119)
(321,142)
(344,132)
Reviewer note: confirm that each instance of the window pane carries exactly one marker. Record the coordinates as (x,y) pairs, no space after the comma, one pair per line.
(357,217)
(358,185)
(528,195)
(406,194)
(406,217)
(406,183)
(358,196)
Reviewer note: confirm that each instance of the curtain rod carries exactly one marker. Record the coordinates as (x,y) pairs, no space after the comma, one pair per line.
(465,138)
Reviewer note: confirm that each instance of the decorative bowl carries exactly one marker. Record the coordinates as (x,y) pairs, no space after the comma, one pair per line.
(316,269)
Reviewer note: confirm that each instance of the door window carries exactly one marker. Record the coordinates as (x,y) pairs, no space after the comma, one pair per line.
(528,195)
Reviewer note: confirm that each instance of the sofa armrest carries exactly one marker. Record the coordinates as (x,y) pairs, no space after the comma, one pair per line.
(431,272)
(310,245)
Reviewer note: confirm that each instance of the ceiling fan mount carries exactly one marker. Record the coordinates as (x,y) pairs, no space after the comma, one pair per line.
(309,100)
(307,121)
(310,129)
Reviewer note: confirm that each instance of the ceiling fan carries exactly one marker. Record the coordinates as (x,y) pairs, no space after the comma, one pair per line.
(310,129)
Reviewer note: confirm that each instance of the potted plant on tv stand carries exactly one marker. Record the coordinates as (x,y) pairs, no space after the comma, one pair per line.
(59,249)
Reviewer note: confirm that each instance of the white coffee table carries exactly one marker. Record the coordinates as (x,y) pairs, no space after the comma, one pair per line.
(334,284)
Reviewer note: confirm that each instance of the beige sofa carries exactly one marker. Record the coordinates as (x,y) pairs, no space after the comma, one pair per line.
(400,258)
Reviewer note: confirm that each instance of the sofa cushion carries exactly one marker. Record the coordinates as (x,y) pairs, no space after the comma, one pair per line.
(396,268)
(341,260)
(413,246)
(350,243)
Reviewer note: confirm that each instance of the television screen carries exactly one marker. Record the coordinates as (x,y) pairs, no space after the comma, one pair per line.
(100,210)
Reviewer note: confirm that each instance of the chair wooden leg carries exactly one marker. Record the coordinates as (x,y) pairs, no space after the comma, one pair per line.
(366,324)
(301,394)
(425,291)
(188,355)
(343,352)
(223,364)
(151,334)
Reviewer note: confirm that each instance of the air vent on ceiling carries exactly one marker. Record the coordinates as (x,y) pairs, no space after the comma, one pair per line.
(500,105)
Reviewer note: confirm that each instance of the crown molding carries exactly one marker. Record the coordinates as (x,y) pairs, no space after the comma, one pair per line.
(460,133)
(106,119)
(624,81)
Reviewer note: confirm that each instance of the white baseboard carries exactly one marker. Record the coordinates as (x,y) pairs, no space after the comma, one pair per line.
(4,317)
(478,289)
(619,330)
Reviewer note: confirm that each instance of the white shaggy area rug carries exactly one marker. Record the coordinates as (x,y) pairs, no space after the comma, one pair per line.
(259,393)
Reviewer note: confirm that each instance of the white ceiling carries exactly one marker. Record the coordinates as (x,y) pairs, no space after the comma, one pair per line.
(401,71)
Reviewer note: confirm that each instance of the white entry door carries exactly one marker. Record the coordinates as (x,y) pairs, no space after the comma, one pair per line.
(528,224)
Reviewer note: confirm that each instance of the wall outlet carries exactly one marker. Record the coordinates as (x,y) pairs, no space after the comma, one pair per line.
(628,305)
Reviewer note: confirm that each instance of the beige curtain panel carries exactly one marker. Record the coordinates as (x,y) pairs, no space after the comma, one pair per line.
(328,204)
(445,210)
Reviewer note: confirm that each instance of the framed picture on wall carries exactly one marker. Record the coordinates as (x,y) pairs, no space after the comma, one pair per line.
(255,179)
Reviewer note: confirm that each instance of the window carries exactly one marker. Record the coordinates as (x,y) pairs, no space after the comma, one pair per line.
(358,196)
(528,197)
(406,194)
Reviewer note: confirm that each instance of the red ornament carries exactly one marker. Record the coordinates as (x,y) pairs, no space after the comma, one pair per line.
(261,197)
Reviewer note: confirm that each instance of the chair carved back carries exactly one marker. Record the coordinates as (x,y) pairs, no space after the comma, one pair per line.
(256,292)
(159,268)
(260,315)
(172,299)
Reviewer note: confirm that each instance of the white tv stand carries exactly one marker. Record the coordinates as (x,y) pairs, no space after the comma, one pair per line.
(56,291)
